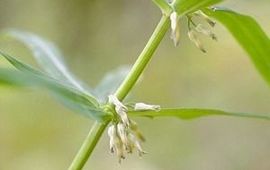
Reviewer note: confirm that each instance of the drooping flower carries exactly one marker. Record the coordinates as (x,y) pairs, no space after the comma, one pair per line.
(120,109)
(135,129)
(116,144)
(193,37)
(136,144)
(192,28)
(175,28)
(124,133)
(205,17)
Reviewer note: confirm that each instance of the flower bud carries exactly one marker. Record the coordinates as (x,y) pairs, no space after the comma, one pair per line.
(137,144)
(175,27)
(201,29)
(136,131)
(193,37)
(143,106)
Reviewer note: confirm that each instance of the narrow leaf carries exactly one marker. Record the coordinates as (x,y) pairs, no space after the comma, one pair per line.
(183,113)
(111,82)
(48,57)
(70,96)
(29,76)
(249,35)
(18,64)
(183,7)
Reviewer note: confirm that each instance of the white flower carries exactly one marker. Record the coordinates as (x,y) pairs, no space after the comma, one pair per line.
(122,132)
(143,106)
(120,109)
(112,135)
(116,144)
(175,35)
(124,139)
(114,100)
(193,37)
(174,21)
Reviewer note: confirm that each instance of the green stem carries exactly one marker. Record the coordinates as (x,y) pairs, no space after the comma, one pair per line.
(98,128)
(164,6)
(144,58)
(88,145)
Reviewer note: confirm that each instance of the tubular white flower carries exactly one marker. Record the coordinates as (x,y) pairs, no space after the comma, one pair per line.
(143,106)
(112,135)
(193,37)
(122,132)
(120,109)
(114,100)
(116,144)
(175,27)
(174,21)
(122,112)
(119,149)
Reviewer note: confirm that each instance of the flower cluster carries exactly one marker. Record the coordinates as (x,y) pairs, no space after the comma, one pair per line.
(193,29)
(124,133)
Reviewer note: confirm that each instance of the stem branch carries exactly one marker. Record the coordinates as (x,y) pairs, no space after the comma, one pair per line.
(137,69)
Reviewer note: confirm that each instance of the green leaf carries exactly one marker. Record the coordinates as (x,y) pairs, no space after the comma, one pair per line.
(111,82)
(249,35)
(70,96)
(76,99)
(184,113)
(18,64)
(183,7)
(48,57)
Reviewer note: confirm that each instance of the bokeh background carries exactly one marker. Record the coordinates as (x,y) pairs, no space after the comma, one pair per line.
(38,133)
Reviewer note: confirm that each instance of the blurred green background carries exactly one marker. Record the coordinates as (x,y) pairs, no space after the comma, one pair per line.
(38,133)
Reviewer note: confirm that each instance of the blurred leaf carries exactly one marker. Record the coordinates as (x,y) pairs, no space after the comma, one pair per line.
(111,82)
(193,113)
(249,35)
(183,7)
(19,65)
(48,57)
(31,77)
